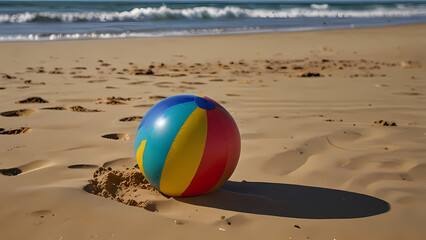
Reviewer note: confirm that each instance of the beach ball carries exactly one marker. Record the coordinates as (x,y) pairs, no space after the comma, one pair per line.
(187,145)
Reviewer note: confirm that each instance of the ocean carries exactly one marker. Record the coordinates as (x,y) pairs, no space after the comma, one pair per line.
(67,20)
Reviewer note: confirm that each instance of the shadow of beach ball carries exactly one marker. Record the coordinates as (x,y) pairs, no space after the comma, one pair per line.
(187,145)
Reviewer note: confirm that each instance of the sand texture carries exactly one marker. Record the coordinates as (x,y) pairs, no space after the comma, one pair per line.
(333,127)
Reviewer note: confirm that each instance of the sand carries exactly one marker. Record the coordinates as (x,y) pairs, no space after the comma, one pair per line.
(333,127)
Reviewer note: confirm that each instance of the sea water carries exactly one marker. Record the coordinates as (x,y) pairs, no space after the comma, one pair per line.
(65,20)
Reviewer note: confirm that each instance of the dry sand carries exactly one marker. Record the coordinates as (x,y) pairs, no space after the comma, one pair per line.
(321,155)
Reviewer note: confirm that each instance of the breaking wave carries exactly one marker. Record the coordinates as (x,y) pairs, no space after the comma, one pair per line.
(166,13)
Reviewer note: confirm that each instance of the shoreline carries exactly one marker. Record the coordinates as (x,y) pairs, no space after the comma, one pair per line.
(70,37)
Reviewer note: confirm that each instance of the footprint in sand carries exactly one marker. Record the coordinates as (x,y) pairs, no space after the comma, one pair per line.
(81,76)
(97,81)
(14,131)
(59,108)
(184,87)
(162,75)
(131,119)
(139,82)
(32,100)
(157,97)
(379,85)
(144,105)
(407,93)
(216,80)
(19,113)
(286,162)
(163,84)
(192,83)
(178,75)
(82,166)
(120,163)
(83,109)
(26,168)
(379,161)
(105,64)
(116,136)
(42,213)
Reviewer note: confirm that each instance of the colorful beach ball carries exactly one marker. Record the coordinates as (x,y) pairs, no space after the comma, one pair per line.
(187,145)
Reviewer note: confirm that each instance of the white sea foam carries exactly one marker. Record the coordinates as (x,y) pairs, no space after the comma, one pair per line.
(75,36)
(319,6)
(164,12)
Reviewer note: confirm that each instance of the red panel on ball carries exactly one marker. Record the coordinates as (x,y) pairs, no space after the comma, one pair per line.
(215,156)
(233,146)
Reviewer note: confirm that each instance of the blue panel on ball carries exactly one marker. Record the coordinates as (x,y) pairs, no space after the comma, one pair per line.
(160,137)
(149,119)
(204,103)
(163,105)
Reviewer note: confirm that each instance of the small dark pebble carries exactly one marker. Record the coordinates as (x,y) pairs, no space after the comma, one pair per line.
(297,226)
(82,166)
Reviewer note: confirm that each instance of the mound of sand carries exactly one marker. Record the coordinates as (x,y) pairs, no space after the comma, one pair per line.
(128,186)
